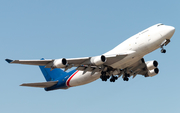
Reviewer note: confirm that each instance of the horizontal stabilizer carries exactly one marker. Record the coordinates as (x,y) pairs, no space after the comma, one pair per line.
(40,84)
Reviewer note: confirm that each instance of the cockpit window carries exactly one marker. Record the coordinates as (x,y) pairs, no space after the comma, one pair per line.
(160,24)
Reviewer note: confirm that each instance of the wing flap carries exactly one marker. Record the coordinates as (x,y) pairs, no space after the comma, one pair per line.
(40,84)
(82,68)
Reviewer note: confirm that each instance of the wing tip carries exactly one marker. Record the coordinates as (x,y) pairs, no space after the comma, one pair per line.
(21,85)
(42,59)
(8,60)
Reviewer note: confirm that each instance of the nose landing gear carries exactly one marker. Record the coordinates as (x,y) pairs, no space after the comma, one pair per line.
(163,50)
(166,42)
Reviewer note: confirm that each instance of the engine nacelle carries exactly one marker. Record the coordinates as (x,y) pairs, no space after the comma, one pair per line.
(59,63)
(152,64)
(98,60)
(153,72)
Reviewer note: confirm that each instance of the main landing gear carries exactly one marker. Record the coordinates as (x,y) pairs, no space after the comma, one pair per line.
(126,77)
(113,78)
(104,77)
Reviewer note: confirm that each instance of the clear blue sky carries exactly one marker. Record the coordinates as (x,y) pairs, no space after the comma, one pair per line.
(79,28)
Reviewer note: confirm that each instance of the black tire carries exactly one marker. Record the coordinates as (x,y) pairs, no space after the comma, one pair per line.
(110,80)
(163,51)
(127,79)
(124,78)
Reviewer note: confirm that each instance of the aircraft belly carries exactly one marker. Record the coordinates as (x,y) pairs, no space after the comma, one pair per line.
(81,79)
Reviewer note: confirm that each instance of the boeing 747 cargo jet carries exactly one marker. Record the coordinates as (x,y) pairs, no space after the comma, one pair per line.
(124,60)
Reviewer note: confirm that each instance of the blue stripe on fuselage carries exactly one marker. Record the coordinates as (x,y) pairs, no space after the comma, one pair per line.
(61,81)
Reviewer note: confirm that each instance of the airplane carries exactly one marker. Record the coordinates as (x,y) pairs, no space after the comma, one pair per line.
(124,60)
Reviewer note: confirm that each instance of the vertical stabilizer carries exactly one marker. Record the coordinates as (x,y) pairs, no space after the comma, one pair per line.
(51,75)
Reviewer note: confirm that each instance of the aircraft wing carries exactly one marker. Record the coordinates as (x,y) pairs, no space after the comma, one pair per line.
(40,84)
(86,60)
(75,62)
(30,62)
(139,68)
(143,68)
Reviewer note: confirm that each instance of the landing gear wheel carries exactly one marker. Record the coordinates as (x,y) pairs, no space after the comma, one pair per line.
(126,79)
(163,51)
(103,76)
(105,79)
(127,75)
(103,72)
(113,78)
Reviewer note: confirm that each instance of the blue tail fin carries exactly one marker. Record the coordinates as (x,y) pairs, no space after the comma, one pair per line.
(51,75)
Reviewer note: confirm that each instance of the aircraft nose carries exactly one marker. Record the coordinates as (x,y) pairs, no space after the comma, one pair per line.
(167,32)
(171,30)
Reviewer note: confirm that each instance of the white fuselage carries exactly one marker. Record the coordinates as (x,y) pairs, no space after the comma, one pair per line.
(138,45)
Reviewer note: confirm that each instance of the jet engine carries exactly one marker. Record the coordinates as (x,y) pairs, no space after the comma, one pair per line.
(59,63)
(153,72)
(98,60)
(152,64)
